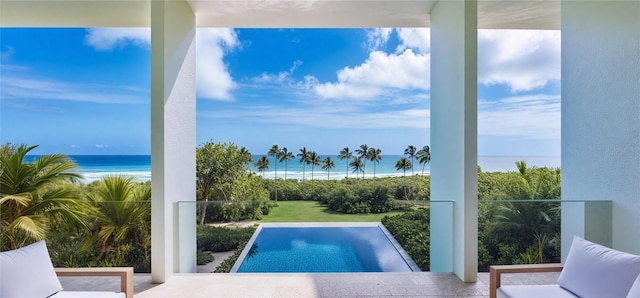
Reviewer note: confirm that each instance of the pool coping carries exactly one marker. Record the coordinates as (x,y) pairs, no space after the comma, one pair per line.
(405,256)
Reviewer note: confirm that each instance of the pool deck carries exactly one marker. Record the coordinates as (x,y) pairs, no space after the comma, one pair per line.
(416,284)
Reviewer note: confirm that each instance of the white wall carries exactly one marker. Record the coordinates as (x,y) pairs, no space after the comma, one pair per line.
(454,110)
(601,114)
(173,137)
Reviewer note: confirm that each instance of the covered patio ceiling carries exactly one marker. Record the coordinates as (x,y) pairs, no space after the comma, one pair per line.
(492,14)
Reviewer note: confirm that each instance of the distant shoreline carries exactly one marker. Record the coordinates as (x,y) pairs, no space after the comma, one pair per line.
(95,167)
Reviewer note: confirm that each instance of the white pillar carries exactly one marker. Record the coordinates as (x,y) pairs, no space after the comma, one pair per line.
(454,108)
(173,136)
(601,120)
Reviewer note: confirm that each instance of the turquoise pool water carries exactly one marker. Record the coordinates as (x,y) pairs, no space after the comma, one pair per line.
(322,249)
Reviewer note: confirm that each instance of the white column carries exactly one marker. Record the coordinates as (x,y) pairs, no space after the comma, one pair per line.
(601,120)
(454,108)
(173,136)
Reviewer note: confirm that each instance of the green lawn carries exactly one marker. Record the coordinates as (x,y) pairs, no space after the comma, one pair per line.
(312,211)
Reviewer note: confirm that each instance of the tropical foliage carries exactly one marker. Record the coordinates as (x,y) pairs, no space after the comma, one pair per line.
(36,197)
(226,186)
(120,232)
(519,216)
(107,222)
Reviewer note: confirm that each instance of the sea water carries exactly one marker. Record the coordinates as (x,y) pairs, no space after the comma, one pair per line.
(95,167)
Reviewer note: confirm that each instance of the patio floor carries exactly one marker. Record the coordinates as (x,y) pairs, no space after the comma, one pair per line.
(423,284)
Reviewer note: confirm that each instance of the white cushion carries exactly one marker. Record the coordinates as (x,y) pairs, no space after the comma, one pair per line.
(593,270)
(88,294)
(27,272)
(634,292)
(533,291)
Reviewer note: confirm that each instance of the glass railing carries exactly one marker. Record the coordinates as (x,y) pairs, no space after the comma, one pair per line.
(529,231)
(510,231)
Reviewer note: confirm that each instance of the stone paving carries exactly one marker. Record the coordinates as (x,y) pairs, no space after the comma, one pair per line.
(417,284)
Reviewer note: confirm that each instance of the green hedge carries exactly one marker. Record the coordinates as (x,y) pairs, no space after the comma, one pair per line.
(411,230)
(216,239)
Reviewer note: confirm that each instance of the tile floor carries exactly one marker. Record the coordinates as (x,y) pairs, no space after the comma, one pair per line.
(423,284)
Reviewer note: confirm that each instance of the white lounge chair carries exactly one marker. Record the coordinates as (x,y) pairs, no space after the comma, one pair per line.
(591,270)
(28,272)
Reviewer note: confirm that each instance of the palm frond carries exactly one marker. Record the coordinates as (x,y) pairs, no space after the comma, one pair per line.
(33,226)
(22,199)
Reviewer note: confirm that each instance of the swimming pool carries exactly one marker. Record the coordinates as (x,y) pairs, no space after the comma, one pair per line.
(323,248)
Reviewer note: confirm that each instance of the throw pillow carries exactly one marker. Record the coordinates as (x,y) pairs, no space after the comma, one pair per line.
(593,270)
(28,272)
(635,289)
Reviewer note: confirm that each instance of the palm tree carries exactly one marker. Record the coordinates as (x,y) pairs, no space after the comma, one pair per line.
(357,166)
(36,197)
(245,155)
(411,152)
(404,164)
(286,156)
(122,216)
(346,154)
(262,164)
(328,164)
(424,157)
(276,153)
(314,160)
(374,156)
(304,156)
(363,152)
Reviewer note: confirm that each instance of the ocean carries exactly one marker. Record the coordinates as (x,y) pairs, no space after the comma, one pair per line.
(94,167)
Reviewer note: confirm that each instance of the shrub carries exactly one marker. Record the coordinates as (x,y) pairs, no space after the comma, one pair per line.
(227,264)
(204,258)
(216,239)
(361,199)
(411,230)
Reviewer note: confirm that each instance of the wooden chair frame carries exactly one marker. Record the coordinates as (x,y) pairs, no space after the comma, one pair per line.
(495,273)
(125,274)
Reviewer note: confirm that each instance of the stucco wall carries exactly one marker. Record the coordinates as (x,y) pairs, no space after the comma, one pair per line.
(173,138)
(601,113)
(454,110)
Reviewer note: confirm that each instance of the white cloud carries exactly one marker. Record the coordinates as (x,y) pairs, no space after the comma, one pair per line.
(529,116)
(382,74)
(212,75)
(280,77)
(327,116)
(213,78)
(16,87)
(521,59)
(101,146)
(105,39)
(378,37)
(418,39)
(379,74)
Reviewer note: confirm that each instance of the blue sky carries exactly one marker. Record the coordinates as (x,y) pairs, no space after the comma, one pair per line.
(87,91)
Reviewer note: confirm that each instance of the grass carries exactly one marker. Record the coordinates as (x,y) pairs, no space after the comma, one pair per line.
(312,211)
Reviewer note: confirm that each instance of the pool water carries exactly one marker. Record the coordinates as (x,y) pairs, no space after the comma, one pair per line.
(322,249)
